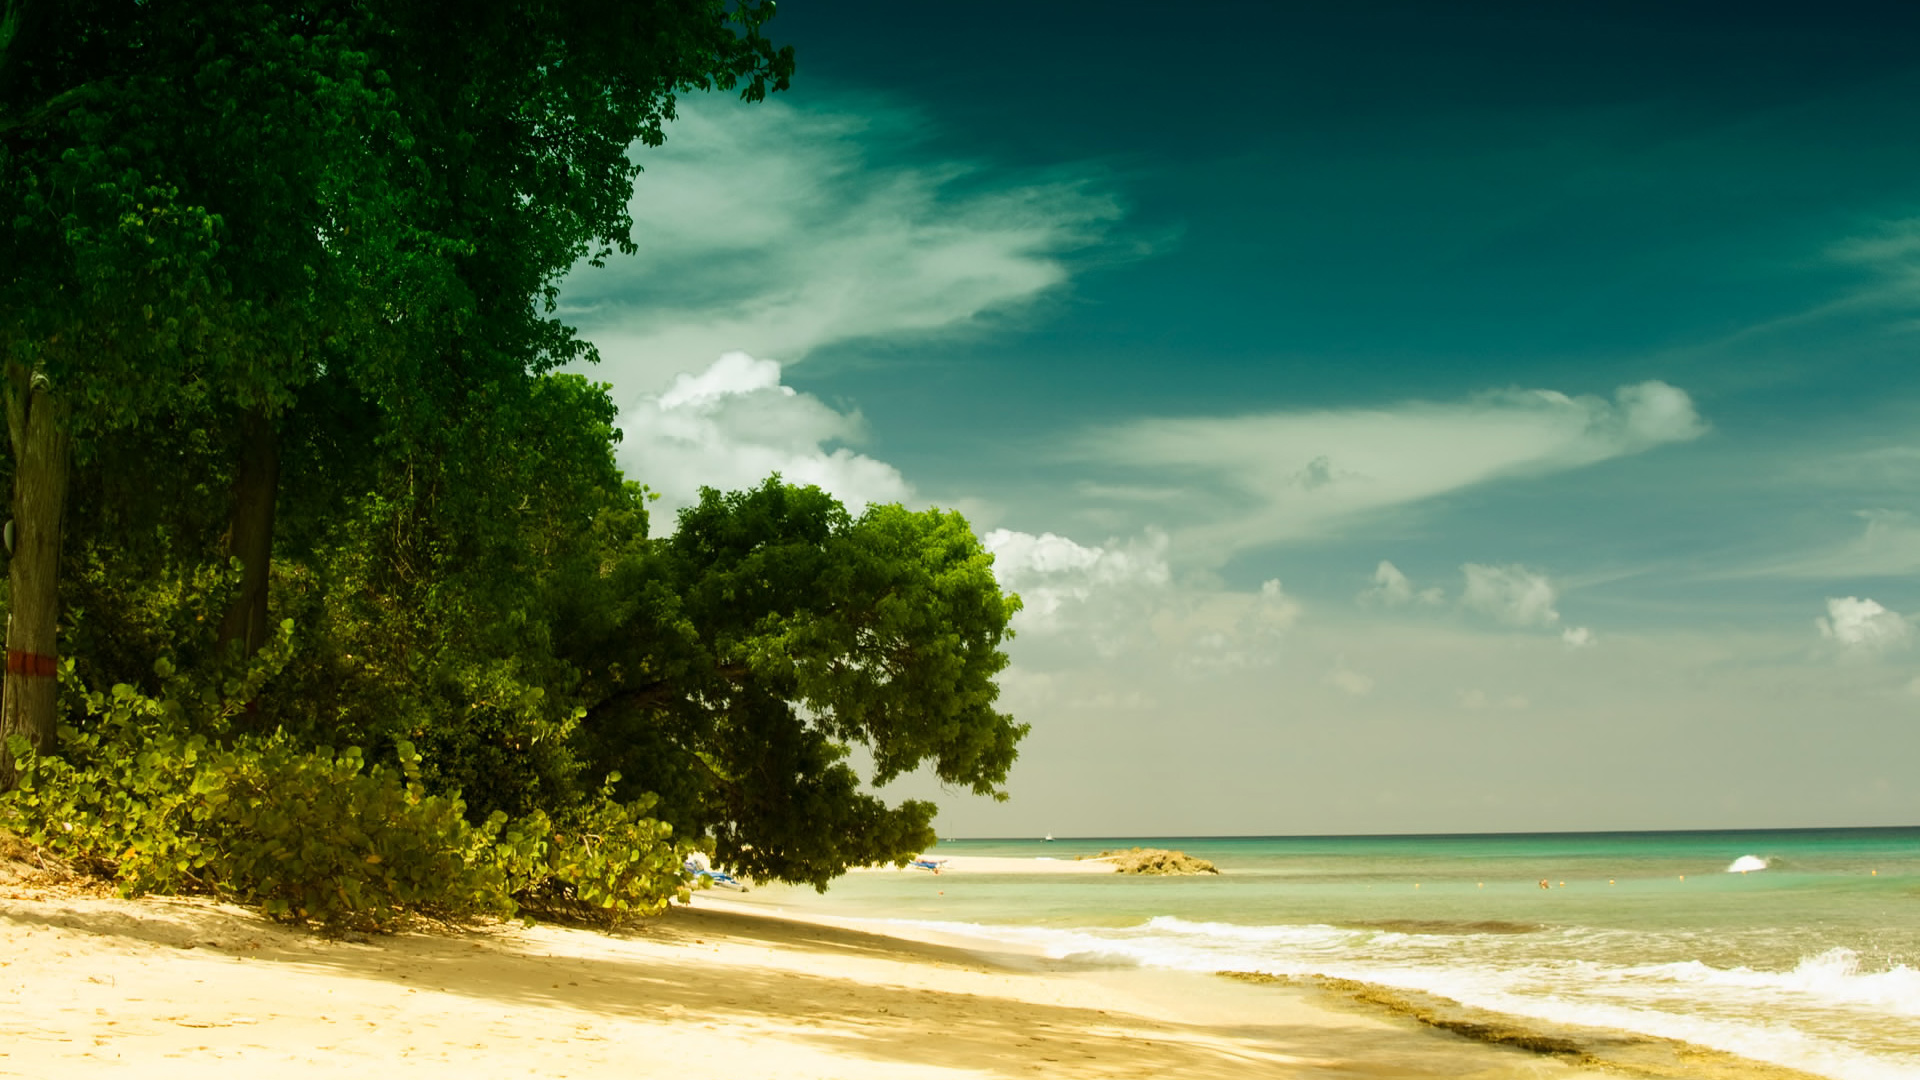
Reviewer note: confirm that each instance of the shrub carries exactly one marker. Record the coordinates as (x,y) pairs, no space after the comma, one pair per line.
(312,834)
(607,864)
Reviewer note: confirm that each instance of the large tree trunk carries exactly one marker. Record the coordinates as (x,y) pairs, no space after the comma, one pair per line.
(251,538)
(36,428)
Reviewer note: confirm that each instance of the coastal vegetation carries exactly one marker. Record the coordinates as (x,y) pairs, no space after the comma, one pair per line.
(324,590)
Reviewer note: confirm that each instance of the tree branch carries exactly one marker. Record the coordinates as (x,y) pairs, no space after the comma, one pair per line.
(60,103)
(653,693)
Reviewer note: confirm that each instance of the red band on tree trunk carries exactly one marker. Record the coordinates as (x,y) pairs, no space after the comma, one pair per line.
(31,664)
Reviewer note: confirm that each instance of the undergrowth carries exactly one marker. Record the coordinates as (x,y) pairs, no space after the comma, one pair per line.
(158,795)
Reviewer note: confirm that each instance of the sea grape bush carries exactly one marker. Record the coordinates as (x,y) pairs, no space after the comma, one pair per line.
(608,863)
(315,835)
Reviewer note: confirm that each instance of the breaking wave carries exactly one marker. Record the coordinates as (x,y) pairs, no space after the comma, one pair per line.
(1792,1018)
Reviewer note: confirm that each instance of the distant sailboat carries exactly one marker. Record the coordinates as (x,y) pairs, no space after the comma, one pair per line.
(1048,838)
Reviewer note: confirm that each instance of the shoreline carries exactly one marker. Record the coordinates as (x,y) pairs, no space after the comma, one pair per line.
(1606,1051)
(185,987)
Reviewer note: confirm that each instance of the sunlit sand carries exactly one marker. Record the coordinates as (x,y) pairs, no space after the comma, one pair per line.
(185,988)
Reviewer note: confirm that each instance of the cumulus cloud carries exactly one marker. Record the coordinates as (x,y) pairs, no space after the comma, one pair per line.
(1391,588)
(1512,595)
(1578,637)
(1254,480)
(733,424)
(1863,627)
(1052,572)
(781,227)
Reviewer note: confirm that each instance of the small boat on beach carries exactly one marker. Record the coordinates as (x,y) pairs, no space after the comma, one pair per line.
(697,867)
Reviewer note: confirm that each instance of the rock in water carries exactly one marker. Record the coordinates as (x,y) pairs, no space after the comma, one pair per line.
(1156,861)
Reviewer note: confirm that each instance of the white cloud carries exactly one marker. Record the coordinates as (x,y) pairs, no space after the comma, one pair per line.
(733,425)
(779,227)
(1391,588)
(1051,572)
(1578,637)
(1863,626)
(1254,480)
(1513,595)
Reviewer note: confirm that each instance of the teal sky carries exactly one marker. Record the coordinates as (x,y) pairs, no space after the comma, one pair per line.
(1397,417)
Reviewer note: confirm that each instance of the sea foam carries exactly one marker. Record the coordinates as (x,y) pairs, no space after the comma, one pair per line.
(1689,1000)
(1746,863)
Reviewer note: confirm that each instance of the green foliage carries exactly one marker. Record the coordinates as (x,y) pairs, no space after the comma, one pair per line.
(429,600)
(329,234)
(311,834)
(731,667)
(608,863)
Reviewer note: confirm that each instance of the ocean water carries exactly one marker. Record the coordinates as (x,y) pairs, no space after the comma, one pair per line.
(1810,958)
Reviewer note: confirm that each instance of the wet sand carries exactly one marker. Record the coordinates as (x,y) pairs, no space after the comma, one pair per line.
(96,986)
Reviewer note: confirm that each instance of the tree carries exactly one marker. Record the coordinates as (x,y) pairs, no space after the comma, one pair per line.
(511,130)
(731,667)
(175,182)
(218,203)
(277,320)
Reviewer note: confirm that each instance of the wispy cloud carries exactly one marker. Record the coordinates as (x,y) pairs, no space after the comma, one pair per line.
(1891,253)
(1255,480)
(1887,545)
(778,228)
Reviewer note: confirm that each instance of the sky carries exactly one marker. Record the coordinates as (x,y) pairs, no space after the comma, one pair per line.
(1395,417)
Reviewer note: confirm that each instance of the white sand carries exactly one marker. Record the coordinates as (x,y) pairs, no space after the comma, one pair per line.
(181,988)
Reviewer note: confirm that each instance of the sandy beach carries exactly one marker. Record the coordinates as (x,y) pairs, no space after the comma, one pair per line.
(93,985)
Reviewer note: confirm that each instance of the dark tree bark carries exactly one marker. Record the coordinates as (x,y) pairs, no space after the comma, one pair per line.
(251,538)
(36,428)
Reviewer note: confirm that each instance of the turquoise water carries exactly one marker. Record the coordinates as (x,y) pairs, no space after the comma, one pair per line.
(1812,962)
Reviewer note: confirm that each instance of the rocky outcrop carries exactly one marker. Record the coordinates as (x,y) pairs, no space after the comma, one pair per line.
(1157,861)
